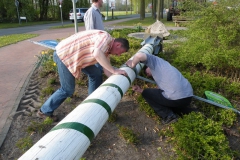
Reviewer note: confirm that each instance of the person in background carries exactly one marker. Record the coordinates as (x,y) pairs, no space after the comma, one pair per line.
(80,52)
(174,92)
(93,17)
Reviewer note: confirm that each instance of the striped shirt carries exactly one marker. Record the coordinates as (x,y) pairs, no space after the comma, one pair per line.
(93,19)
(76,51)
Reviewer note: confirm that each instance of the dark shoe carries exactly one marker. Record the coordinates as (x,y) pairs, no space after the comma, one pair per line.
(44,116)
(170,119)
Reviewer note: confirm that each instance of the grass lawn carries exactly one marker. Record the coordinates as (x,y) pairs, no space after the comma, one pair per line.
(23,24)
(14,38)
(146,22)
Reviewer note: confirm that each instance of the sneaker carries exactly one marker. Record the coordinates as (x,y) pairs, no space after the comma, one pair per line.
(44,116)
(170,119)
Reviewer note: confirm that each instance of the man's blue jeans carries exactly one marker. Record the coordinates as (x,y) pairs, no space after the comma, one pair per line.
(67,81)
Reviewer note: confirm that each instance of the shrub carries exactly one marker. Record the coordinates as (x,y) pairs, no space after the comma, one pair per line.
(199,138)
(213,39)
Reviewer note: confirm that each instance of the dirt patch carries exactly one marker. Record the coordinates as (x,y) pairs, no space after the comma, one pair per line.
(108,144)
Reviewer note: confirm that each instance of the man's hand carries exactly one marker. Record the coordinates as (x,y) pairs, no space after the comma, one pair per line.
(129,63)
(119,71)
(137,89)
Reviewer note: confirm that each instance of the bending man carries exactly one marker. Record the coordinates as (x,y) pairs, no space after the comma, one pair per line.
(174,92)
(80,52)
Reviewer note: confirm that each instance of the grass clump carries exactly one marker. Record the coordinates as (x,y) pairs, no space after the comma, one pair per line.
(36,127)
(40,127)
(51,81)
(47,91)
(128,135)
(113,117)
(24,143)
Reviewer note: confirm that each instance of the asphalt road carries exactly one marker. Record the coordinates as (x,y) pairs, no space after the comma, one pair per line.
(26,29)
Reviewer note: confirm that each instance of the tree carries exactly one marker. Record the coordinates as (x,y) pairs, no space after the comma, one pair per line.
(154,4)
(142,9)
(43,6)
(160,9)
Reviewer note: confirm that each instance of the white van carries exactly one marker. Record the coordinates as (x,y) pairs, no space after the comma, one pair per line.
(79,13)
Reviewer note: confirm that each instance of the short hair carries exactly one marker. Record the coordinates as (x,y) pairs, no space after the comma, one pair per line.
(93,1)
(124,42)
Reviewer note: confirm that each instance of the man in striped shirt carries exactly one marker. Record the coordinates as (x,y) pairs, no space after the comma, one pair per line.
(80,52)
(93,17)
(93,20)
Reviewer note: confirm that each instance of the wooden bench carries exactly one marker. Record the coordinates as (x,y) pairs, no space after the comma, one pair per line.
(23,18)
(181,19)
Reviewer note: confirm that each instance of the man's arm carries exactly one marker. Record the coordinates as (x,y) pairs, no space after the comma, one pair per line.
(139,57)
(103,61)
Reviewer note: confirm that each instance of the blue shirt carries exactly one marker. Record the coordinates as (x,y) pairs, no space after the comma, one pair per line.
(93,19)
(168,78)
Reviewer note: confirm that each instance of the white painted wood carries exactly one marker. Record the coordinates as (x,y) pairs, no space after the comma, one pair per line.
(64,144)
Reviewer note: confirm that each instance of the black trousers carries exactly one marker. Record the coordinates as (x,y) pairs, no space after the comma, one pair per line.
(163,106)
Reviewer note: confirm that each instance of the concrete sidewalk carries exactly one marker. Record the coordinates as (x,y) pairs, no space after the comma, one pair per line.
(17,62)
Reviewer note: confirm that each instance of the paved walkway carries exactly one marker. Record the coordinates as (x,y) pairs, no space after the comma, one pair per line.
(17,62)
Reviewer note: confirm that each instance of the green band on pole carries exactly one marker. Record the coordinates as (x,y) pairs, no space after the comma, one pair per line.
(76,126)
(114,85)
(140,65)
(128,79)
(100,102)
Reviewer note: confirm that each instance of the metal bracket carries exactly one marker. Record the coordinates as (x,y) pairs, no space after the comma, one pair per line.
(155,41)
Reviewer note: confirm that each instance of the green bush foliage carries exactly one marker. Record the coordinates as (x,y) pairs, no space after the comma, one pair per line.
(201,82)
(199,138)
(213,38)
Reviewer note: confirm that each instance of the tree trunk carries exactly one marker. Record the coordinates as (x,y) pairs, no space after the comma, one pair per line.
(43,5)
(142,9)
(160,9)
(154,4)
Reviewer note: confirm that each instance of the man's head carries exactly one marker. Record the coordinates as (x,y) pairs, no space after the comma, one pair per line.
(120,45)
(98,3)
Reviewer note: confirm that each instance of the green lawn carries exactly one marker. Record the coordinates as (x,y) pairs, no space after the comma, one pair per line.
(146,22)
(14,38)
(23,24)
